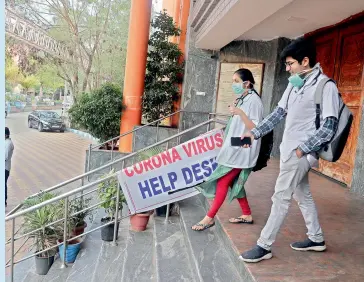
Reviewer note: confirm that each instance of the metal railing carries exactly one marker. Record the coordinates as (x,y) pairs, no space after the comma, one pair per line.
(89,172)
(156,123)
(82,191)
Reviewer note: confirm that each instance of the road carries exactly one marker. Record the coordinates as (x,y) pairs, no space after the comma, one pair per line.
(40,160)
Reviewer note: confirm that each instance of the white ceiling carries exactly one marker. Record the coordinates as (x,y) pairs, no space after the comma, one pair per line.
(302,16)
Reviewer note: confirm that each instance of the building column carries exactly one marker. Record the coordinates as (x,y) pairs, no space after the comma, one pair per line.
(136,58)
(179,10)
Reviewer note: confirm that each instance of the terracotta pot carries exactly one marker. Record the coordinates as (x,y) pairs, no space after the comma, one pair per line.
(78,230)
(140,221)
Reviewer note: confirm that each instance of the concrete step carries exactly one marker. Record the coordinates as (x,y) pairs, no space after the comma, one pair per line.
(209,253)
(173,261)
(139,259)
(164,252)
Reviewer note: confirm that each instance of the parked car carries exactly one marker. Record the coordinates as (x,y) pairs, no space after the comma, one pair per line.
(46,121)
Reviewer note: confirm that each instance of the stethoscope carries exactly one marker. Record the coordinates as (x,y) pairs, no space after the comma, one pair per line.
(241,98)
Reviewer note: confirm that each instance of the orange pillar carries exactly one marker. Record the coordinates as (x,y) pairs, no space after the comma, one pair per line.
(135,67)
(179,10)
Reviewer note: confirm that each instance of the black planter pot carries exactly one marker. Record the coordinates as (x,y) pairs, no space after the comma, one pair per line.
(107,232)
(161,211)
(43,264)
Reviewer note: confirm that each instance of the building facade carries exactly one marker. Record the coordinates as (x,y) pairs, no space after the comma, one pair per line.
(220,36)
(225,34)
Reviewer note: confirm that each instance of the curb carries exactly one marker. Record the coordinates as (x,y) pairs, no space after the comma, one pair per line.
(83,134)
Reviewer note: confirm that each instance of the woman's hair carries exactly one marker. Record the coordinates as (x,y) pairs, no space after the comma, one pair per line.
(246,75)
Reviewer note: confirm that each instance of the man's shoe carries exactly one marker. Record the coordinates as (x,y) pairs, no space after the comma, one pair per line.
(256,254)
(309,245)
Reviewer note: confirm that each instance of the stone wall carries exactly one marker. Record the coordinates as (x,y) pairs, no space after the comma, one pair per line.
(150,135)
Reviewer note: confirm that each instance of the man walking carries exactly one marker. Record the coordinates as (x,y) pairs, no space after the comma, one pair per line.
(9,148)
(298,150)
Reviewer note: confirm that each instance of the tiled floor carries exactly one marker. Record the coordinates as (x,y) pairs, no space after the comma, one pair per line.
(342,218)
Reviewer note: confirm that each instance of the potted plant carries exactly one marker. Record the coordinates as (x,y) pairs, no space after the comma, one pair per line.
(164,69)
(107,192)
(74,245)
(98,113)
(46,236)
(72,249)
(140,221)
(78,220)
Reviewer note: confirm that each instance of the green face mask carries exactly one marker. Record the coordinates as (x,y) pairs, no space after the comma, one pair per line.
(296,80)
(238,88)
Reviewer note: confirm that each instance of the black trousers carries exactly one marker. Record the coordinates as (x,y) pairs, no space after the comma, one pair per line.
(7,173)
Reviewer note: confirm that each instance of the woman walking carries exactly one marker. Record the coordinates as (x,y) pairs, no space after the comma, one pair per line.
(235,163)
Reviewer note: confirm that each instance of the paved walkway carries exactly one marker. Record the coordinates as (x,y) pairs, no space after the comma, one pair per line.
(40,160)
(342,220)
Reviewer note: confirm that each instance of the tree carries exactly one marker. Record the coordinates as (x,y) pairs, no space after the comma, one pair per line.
(164,69)
(95,33)
(99,112)
(29,82)
(47,76)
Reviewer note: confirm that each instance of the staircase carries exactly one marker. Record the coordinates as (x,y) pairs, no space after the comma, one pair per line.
(164,252)
(167,251)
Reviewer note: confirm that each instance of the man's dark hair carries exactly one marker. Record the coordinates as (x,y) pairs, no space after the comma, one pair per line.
(7,131)
(246,75)
(299,49)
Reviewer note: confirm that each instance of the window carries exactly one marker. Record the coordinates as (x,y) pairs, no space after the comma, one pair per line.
(49,115)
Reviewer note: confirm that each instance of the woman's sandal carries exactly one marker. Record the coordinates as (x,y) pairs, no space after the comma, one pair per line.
(239,220)
(204,226)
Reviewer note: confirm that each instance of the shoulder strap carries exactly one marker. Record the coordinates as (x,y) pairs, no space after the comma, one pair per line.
(289,94)
(318,98)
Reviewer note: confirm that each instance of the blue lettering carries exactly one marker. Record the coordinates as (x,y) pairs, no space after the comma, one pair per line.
(164,188)
(214,164)
(187,175)
(172,176)
(144,189)
(196,170)
(205,166)
(154,184)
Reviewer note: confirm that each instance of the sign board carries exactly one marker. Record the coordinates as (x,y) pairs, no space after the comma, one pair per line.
(154,182)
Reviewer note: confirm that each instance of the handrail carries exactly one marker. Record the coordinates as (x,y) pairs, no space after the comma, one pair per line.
(71,180)
(67,197)
(84,187)
(134,130)
(158,120)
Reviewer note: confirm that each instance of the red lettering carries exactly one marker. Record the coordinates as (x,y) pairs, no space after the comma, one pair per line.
(138,168)
(166,158)
(201,146)
(129,174)
(208,145)
(147,165)
(194,148)
(175,155)
(187,150)
(219,140)
(157,162)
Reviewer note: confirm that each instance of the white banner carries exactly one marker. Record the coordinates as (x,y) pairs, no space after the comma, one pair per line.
(154,182)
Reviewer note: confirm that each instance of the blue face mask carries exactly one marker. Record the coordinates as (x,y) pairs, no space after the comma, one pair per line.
(238,88)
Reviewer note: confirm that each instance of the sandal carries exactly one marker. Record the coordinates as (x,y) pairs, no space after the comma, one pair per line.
(204,226)
(238,220)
